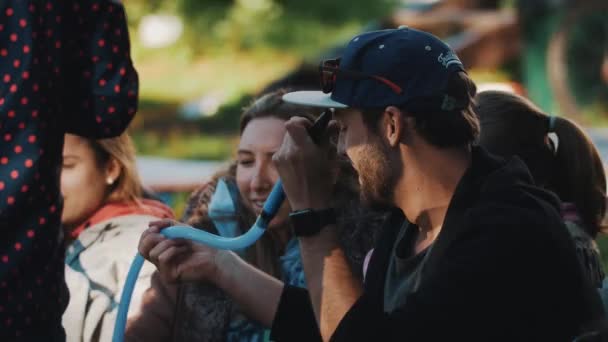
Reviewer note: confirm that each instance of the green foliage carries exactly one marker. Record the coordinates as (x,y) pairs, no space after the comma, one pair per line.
(217,26)
(585,55)
(226,121)
(182,145)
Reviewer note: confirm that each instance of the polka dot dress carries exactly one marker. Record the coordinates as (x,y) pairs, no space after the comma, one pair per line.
(64,67)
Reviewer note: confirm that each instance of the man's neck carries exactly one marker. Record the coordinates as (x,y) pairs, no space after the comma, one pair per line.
(427,186)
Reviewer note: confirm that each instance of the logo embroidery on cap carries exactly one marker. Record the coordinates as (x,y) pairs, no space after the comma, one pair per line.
(449,59)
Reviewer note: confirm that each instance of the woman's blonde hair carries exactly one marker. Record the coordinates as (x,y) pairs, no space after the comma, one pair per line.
(127,187)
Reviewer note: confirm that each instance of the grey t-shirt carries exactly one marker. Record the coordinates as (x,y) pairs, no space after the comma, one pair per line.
(402,276)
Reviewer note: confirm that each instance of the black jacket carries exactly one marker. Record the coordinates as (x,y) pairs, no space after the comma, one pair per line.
(502,268)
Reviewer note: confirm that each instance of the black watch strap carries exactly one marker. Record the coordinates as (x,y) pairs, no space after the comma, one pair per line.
(308,222)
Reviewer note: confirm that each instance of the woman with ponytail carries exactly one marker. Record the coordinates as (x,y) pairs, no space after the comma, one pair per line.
(560,157)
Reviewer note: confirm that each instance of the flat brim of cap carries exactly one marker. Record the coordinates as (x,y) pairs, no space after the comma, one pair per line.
(312,99)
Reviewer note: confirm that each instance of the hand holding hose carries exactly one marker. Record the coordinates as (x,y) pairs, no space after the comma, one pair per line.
(180,259)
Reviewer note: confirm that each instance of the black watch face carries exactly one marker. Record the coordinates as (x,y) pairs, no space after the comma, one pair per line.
(309,222)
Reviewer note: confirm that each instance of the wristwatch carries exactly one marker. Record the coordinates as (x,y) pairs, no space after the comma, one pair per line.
(309,222)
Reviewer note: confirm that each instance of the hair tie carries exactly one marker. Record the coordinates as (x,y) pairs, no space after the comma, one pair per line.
(552,120)
(553,138)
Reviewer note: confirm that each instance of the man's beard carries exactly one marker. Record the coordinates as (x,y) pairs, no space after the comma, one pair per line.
(379,169)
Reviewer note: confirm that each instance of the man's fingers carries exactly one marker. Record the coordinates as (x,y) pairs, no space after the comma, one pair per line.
(154,228)
(148,242)
(157,226)
(297,128)
(300,120)
(157,250)
(168,262)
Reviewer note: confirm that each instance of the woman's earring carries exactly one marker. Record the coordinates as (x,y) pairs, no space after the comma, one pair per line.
(109,180)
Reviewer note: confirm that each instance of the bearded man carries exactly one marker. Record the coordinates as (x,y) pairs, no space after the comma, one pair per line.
(474,250)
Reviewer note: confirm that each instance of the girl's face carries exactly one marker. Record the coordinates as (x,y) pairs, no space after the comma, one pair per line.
(84,184)
(255,172)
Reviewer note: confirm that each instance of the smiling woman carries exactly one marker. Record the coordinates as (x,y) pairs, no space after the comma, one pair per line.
(255,173)
(228,205)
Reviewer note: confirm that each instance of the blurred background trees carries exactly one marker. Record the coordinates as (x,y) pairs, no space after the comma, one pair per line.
(201,61)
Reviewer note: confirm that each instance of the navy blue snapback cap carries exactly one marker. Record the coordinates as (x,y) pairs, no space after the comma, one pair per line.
(405,67)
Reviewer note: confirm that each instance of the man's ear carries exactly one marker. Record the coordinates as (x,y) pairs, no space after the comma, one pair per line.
(394,125)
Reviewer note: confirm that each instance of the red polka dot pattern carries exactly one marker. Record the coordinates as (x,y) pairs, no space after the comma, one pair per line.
(64,67)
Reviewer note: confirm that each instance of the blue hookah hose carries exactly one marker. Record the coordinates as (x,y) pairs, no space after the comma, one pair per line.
(270,209)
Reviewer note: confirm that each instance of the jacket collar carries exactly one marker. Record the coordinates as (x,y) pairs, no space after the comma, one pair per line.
(110,217)
(486,176)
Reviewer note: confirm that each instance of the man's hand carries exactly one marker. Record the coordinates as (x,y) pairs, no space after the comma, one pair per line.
(307,170)
(179,259)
